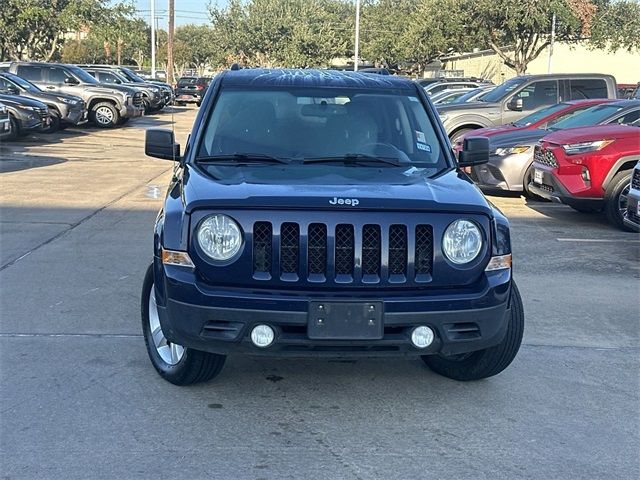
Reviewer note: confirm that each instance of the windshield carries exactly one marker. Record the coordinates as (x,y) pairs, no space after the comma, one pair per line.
(28,86)
(298,124)
(503,90)
(82,75)
(131,75)
(590,116)
(540,114)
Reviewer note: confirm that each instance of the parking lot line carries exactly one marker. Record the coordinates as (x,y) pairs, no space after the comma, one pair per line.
(598,240)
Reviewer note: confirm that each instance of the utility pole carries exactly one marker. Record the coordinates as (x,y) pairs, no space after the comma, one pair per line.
(553,39)
(357,49)
(153,38)
(172,13)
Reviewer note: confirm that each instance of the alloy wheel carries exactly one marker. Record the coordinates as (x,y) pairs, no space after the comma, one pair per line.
(171,353)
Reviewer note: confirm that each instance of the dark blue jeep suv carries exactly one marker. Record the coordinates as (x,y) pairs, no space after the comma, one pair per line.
(322,213)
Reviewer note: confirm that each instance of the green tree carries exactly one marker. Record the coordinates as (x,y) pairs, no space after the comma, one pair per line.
(617,26)
(519,30)
(34,29)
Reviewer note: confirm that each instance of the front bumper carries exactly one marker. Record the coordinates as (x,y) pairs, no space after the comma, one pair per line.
(219,320)
(553,190)
(76,116)
(131,111)
(502,173)
(632,216)
(5,127)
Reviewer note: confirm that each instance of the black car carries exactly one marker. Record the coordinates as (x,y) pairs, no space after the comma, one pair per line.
(64,109)
(191,90)
(322,213)
(25,115)
(5,122)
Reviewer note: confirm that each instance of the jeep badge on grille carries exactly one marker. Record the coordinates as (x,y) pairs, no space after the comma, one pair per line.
(345,201)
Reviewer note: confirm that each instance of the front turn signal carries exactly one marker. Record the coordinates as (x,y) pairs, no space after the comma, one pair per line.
(499,263)
(173,257)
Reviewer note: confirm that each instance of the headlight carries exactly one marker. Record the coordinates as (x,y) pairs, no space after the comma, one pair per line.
(501,152)
(462,241)
(69,101)
(585,147)
(27,107)
(219,237)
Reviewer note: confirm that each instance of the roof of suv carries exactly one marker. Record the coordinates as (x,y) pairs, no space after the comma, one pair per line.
(313,78)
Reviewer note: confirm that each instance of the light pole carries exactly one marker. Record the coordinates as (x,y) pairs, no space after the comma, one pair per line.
(357,49)
(553,39)
(153,38)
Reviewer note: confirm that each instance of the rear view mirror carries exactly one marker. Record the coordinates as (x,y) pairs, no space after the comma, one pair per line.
(515,104)
(475,151)
(160,143)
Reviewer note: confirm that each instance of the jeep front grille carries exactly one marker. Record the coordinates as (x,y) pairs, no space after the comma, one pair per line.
(544,156)
(343,253)
(635,179)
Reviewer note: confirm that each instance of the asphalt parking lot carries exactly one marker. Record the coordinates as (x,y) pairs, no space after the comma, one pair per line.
(79,399)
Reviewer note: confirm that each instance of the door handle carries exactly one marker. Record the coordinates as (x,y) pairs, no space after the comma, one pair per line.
(49,87)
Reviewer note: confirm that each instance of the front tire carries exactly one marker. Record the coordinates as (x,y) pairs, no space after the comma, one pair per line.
(615,199)
(104,115)
(54,126)
(174,363)
(490,361)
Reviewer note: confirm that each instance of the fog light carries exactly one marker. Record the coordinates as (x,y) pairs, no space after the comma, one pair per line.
(262,336)
(422,336)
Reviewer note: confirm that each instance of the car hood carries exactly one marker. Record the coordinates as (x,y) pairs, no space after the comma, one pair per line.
(320,187)
(586,134)
(20,101)
(513,138)
(120,88)
(50,97)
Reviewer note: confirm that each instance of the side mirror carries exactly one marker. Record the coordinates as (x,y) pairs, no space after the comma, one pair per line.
(70,81)
(13,91)
(515,104)
(160,143)
(475,151)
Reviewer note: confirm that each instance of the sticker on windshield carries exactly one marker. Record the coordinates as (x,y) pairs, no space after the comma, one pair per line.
(420,137)
(424,147)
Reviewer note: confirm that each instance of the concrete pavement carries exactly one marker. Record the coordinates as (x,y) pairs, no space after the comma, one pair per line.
(79,399)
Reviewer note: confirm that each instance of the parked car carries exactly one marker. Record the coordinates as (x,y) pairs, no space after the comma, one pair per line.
(5,122)
(434,88)
(191,90)
(632,217)
(521,96)
(152,96)
(64,110)
(425,82)
(108,106)
(25,115)
(160,81)
(448,96)
(588,168)
(474,94)
(296,206)
(625,90)
(511,152)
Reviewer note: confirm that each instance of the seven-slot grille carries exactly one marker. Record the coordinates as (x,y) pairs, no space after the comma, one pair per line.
(635,179)
(343,253)
(545,157)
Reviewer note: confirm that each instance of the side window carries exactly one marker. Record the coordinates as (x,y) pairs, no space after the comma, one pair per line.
(107,78)
(4,85)
(57,75)
(564,116)
(32,73)
(628,118)
(587,88)
(538,94)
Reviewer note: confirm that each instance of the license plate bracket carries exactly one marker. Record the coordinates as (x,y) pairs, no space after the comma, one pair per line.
(538,175)
(345,321)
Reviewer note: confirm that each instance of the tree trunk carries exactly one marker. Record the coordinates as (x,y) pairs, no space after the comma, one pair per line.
(107,51)
(119,50)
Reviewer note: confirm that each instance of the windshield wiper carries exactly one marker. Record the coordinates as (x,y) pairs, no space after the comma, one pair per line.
(241,158)
(353,158)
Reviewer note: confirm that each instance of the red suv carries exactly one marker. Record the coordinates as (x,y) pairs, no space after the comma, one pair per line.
(588,168)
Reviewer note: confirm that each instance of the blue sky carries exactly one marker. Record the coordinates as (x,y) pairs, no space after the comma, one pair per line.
(187,11)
